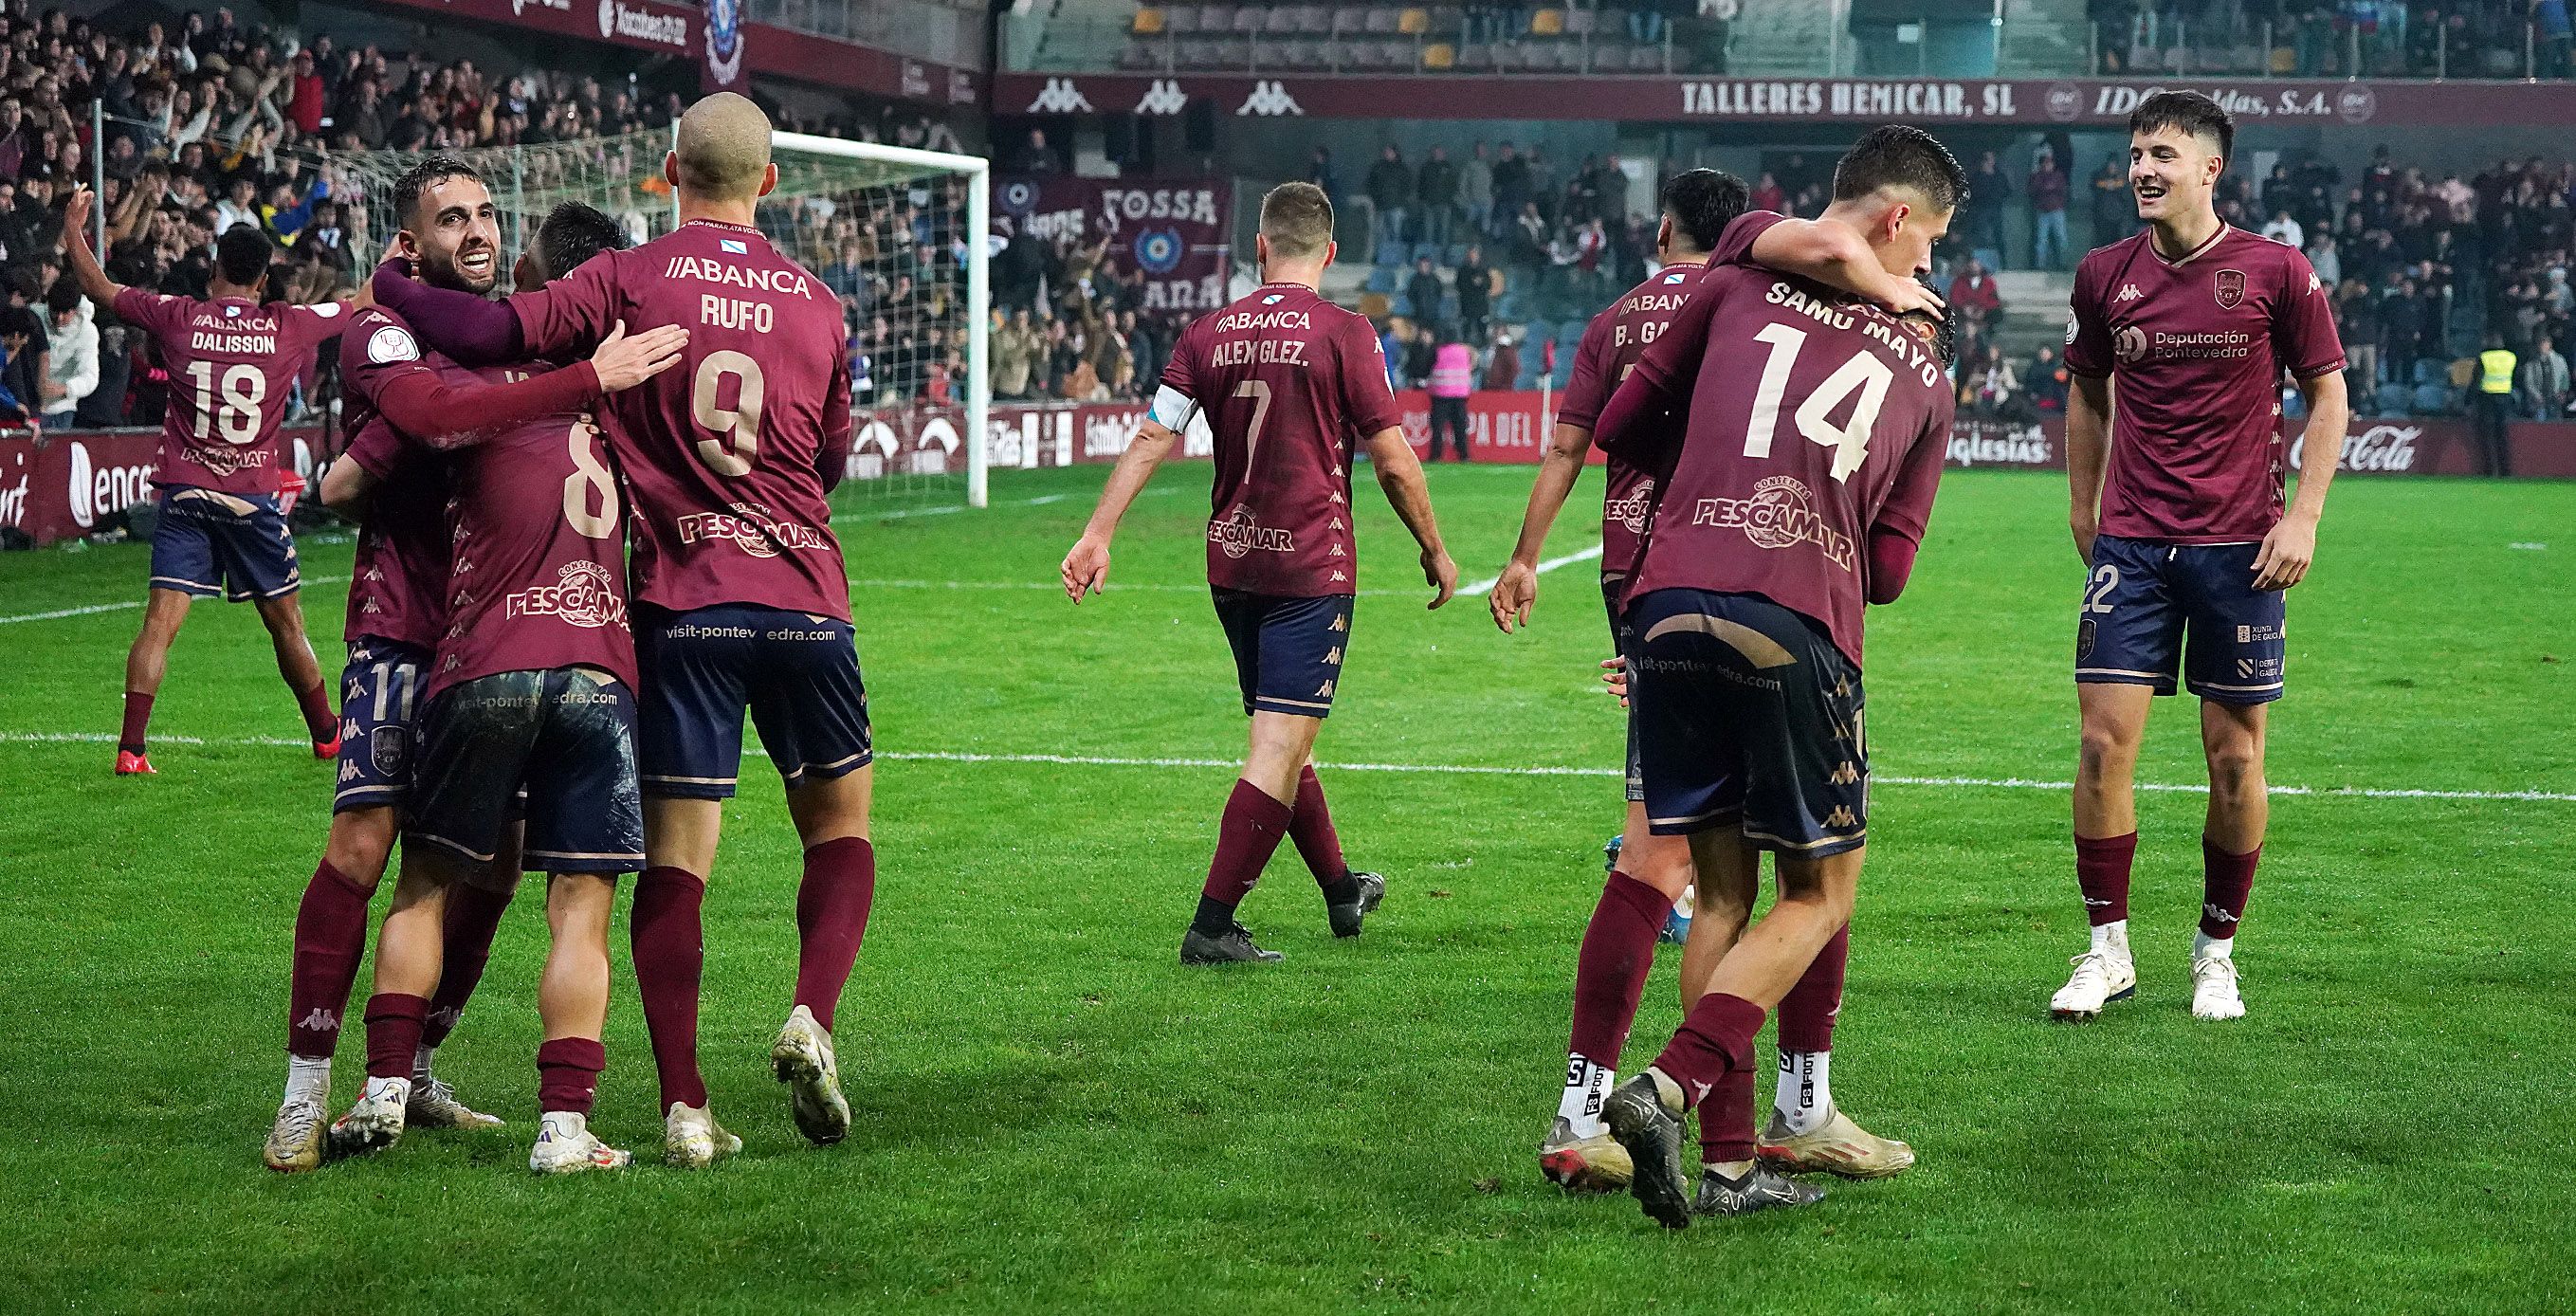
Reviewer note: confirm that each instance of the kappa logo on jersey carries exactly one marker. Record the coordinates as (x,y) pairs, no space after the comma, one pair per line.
(752,528)
(2128,293)
(1844,774)
(349,771)
(1841,817)
(2229,288)
(1239,534)
(1780,514)
(319,1018)
(1059,96)
(583,595)
(1164,97)
(1268,98)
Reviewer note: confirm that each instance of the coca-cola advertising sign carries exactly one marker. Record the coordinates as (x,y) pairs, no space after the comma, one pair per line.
(2382,448)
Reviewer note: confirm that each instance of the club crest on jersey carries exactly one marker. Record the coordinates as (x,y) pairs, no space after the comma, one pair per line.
(751,528)
(1631,511)
(583,595)
(1238,534)
(2230,289)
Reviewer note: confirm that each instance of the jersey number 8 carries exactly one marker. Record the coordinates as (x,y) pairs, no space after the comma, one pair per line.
(738,425)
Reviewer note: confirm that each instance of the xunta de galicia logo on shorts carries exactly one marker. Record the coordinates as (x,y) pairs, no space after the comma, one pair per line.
(584,595)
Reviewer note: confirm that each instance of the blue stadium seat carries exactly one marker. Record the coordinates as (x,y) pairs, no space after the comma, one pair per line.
(1456,255)
(2391,400)
(1403,305)
(1509,307)
(1422,249)
(1380,279)
(1571,331)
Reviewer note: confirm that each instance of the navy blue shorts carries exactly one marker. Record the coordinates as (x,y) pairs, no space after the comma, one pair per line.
(566,736)
(377,691)
(797,673)
(207,543)
(2151,608)
(1612,587)
(1287,651)
(1747,715)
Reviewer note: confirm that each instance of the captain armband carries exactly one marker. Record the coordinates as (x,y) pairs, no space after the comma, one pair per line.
(1172,409)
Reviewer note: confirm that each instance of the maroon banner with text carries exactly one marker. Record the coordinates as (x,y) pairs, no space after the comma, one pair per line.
(1175,230)
(2069,102)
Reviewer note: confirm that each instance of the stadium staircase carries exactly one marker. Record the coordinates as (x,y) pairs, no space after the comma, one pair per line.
(2035,304)
(2043,39)
(1776,38)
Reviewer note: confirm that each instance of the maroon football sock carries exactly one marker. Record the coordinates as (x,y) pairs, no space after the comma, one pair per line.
(2226,881)
(1715,1037)
(473,916)
(393,1033)
(318,717)
(1807,1013)
(138,715)
(1310,825)
(831,919)
(330,939)
(1246,837)
(670,954)
(2102,870)
(1610,970)
(568,1074)
(1726,1120)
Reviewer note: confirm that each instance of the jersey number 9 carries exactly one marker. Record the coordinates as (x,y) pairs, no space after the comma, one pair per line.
(737,426)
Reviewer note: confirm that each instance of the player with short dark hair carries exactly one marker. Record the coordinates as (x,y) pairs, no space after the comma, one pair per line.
(222,531)
(529,695)
(742,599)
(2178,516)
(1799,492)
(1651,873)
(1287,384)
(397,607)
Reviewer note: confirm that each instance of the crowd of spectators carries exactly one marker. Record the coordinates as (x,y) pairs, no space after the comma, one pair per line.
(205,123)
(2334,38)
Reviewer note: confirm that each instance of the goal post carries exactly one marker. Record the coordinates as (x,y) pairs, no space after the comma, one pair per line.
(887,228)
(978,227)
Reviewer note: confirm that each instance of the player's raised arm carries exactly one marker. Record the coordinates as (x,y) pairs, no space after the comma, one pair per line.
(94,283)
(1086,568)
(1834,253)
(445,416)
(1399,475)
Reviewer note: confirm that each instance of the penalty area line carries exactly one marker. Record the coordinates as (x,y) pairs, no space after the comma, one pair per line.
(1424,769)
(94,609)
(1551,564)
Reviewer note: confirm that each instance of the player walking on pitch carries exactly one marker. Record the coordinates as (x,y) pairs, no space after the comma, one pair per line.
(1806,1131)
(397,607)
(530,691)
(742,599)
(1813,450)
(1287,381)
(231,358)
(2182,528)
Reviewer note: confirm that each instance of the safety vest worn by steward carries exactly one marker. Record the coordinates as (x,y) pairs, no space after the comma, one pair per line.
(2495,371)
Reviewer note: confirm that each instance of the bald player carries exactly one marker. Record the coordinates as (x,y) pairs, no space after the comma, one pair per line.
(1289,384)
(741,599)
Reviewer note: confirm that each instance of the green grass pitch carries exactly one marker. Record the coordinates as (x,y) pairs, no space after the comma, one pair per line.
(1051,1115)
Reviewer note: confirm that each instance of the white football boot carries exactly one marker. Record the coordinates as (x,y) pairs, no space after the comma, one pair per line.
(295,1140)
(803,1059)
(2213,988)
(376,1122)
(2100,978)
(565,1145)
(433,1105)
(691,1138)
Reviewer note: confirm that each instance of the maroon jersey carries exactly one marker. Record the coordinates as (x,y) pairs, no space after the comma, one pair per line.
(1814,420)
(231,362)
(1290,383)
(398,580)
(538,580)
(723,450)
(2198,345)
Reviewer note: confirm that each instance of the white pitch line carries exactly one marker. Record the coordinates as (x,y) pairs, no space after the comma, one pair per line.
(1054,587)
(60,613)
(1482,586)
(1437,769)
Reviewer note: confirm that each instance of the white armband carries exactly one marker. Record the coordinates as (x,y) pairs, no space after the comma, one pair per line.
(1173,409)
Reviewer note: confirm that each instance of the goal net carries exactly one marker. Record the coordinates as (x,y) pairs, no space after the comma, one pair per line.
(897,234)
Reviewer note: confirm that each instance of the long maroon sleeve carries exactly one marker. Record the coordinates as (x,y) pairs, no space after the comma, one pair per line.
(1891,561)
(446,416)
(474,331)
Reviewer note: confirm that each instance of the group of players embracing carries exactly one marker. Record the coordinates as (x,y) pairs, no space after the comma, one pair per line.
(520,696)
(1774,406)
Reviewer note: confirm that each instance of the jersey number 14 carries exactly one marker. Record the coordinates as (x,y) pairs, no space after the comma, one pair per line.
(1864,374)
